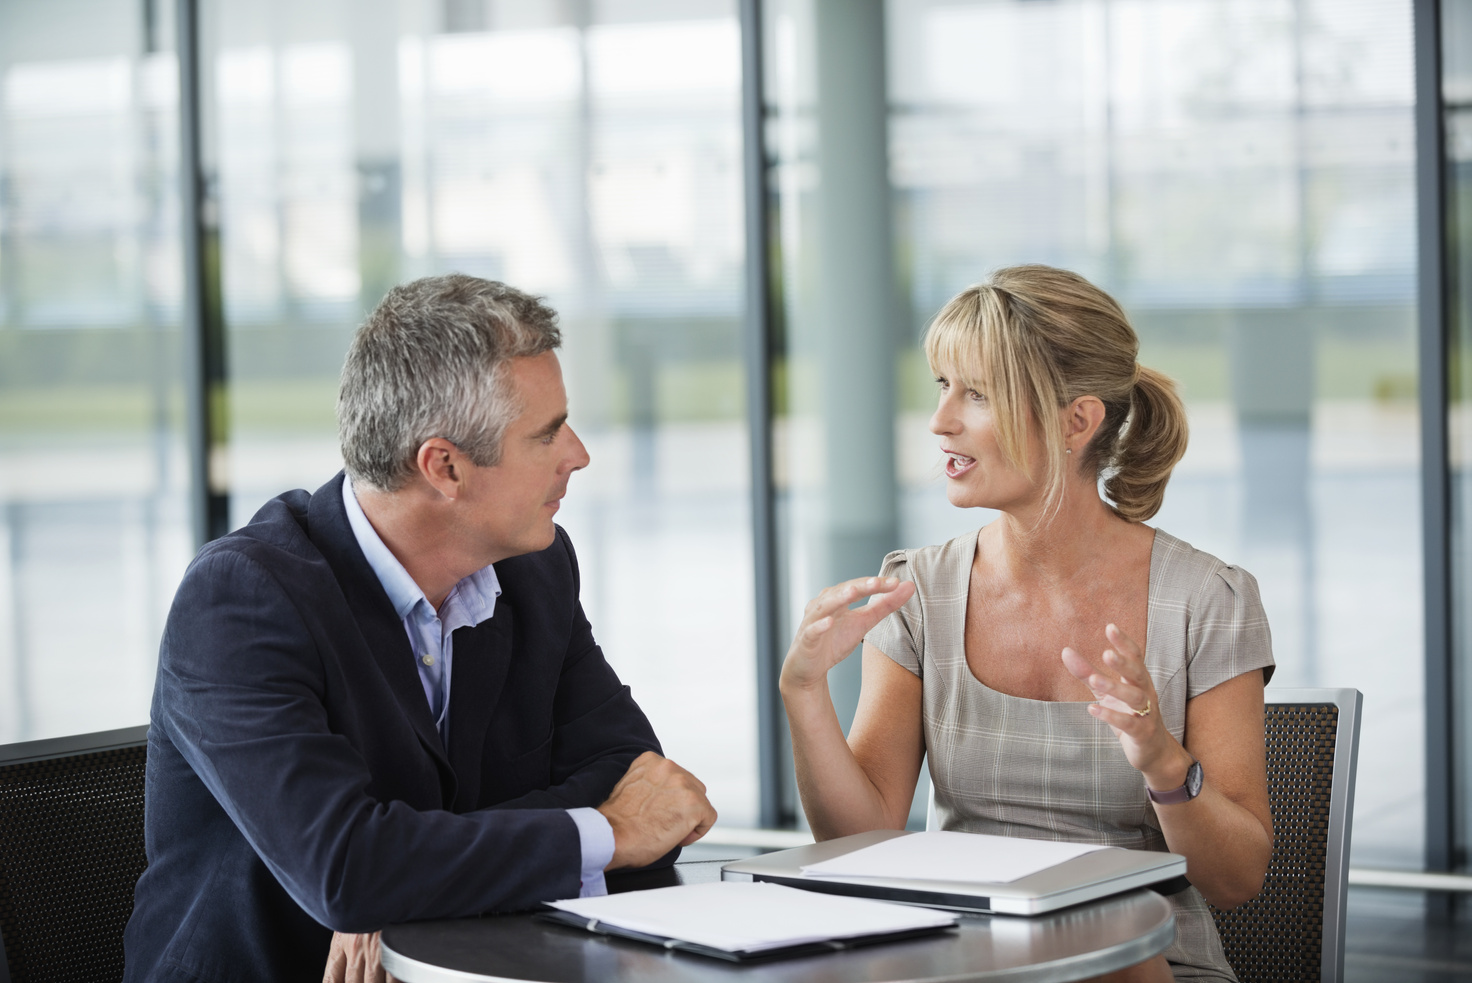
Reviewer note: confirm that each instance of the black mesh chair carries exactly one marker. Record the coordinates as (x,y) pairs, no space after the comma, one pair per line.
(1294,929)
(71,849)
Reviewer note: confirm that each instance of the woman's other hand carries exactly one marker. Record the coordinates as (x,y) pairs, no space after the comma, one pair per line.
(830,629)
(1129,705)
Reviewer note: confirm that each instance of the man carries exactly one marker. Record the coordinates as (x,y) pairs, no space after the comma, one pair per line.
(382,701)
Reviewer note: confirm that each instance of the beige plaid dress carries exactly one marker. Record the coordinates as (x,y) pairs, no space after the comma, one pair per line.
(1018,767)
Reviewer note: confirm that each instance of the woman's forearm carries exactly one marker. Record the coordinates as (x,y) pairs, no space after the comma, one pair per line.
(1227,848)
(837,796)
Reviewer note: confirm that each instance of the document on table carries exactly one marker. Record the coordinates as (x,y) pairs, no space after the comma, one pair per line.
(943,855)
(746,918)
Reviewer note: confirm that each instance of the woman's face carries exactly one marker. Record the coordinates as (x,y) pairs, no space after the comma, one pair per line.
(978,474)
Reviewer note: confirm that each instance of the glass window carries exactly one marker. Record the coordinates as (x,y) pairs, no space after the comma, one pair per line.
(94,528)
(1241,176)
(587,152)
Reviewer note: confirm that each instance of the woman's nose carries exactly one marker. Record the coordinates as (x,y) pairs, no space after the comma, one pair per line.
(942,421)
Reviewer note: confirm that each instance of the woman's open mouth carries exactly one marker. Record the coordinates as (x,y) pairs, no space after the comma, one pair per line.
(958,464)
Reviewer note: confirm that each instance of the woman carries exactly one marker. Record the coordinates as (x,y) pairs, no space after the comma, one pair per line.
(1073,673)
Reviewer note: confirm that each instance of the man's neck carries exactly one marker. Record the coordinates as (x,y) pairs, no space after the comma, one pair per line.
(410,526)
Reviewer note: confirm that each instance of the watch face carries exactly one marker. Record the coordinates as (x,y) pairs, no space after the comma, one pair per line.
(1193,779)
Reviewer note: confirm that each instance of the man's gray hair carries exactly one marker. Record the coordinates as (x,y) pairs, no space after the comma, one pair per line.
(433,360)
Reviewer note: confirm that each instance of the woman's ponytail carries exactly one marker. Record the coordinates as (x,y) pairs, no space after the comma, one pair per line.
(1149,447)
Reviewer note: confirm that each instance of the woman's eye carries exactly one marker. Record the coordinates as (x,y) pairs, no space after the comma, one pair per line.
(973,394)
(944,385)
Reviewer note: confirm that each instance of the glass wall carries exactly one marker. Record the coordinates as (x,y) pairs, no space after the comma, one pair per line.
(1241,176)
(94,528)
(586,151)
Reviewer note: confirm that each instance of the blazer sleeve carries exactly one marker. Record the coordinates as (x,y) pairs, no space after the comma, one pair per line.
(242,693)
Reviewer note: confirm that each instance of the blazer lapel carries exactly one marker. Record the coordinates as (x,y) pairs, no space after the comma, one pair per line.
(478,673)
(374,615)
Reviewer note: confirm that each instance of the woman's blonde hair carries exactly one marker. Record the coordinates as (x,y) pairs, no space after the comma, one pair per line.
(1033,339)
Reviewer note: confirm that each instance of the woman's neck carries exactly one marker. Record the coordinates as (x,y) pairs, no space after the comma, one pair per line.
(1076,540)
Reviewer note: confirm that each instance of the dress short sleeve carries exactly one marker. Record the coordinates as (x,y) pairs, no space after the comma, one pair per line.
(901,635)
(1228,631)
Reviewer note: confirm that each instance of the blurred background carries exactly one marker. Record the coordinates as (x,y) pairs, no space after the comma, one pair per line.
(1242,175)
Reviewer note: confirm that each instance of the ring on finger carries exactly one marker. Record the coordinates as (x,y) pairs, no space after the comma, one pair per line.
(1145,712)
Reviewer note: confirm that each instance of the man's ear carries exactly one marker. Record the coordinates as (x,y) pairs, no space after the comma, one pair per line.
(1081,420)
(441,465)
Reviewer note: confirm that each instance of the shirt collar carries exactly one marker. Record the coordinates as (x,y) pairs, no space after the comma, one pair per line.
(475,595)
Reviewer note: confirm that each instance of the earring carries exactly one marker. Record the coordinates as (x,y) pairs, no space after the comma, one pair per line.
(1068,450)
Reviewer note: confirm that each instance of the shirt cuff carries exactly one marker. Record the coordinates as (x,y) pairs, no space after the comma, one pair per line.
(596,838)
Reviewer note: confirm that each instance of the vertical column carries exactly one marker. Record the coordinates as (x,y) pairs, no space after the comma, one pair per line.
(1456,97)
(203,328)
(1272,362)
(855,309)
(375,27)
(15,711)
(757,348)
(1435,481)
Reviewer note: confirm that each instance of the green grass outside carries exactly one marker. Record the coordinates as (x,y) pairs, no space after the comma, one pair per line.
(688,391)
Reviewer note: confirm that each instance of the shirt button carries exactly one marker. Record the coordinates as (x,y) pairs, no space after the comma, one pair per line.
(427,659)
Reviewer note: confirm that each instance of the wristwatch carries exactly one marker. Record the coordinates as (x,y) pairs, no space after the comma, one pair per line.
(1185,793)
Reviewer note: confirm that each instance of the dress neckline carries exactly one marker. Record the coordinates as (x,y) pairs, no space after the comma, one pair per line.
(1158,545)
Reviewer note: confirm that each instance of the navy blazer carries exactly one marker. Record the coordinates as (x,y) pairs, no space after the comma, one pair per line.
(296,783)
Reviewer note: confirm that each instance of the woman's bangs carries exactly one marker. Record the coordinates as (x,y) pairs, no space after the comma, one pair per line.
(953,349)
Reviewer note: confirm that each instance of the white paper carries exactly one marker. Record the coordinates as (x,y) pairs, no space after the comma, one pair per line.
(947,856)
(750,916)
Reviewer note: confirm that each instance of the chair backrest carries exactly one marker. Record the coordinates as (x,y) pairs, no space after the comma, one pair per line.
(1294,929)
(71,849)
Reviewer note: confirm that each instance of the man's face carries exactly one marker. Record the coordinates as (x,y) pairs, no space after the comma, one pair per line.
(511,504)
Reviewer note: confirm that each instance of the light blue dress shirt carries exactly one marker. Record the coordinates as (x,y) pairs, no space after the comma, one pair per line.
(431,637)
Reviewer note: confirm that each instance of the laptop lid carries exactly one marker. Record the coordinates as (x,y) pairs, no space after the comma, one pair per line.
(1086,878)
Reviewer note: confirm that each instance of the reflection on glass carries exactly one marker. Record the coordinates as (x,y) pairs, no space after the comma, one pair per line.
(588,152)
(1241,177)
(93,523)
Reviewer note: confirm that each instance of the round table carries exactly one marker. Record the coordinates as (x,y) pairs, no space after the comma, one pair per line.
(1074,944)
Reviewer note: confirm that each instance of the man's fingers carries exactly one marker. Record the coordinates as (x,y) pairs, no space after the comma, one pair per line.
(702,827)
(373,962)
(661,807)
(337,962)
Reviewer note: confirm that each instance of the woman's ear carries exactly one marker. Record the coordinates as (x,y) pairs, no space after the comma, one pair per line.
(1081,420)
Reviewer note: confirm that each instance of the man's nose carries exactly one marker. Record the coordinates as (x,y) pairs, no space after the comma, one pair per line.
(577,457)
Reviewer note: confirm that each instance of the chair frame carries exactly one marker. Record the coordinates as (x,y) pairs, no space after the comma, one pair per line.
(1341,811)
(66,747)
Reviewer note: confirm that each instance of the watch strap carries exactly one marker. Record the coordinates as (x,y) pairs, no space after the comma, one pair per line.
(1188,790)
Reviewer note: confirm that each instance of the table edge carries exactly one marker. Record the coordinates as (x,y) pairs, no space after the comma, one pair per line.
(1129,953)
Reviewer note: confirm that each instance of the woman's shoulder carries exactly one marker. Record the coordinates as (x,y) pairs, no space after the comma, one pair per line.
(1180,571)
(938,566)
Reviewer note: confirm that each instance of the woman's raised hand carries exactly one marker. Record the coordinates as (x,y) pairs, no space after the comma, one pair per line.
(830,630)
(1128,704)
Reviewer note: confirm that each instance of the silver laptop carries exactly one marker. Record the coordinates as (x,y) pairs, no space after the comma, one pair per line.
(1093,875)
